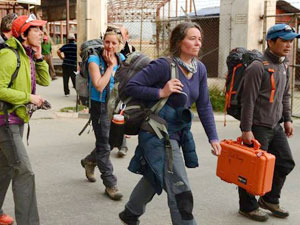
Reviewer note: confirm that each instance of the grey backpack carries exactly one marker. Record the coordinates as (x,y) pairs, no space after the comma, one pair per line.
(134,110)
(90,47)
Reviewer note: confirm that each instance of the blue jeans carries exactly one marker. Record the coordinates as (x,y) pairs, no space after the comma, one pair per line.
(274,141)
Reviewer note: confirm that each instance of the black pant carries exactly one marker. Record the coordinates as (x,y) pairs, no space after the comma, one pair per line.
(275,142)
(68,71)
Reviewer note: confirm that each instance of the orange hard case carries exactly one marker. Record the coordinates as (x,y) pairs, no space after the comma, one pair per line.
(249,168)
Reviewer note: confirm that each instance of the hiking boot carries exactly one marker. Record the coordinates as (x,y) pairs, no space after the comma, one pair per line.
(122,152)
(128,218)
(6,220)
(274,208)
(89,169)
(257,215)
(113,193)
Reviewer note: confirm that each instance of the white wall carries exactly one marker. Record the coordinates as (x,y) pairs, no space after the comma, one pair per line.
(241,24)
(91,19)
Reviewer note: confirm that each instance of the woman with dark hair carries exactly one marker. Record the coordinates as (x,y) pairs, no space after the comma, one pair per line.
(101,78)
(151,160)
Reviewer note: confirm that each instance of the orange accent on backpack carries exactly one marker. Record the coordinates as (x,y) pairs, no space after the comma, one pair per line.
(273,84)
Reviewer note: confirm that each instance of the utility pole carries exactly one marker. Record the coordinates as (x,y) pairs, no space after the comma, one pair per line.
(67,19)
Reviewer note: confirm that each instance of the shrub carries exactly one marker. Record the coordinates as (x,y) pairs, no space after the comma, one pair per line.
(217,98)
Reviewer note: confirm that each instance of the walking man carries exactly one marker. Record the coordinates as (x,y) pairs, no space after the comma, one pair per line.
(47,53)
(69,66)
(15,94)
(263,113)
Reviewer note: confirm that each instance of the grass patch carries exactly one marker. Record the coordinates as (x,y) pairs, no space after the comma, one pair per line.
(73,108)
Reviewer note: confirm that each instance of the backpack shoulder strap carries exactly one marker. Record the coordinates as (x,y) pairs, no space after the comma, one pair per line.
(271,72)
(14,75)
(174,74)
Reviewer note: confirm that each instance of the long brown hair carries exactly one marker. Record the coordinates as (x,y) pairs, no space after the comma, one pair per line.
(178,34)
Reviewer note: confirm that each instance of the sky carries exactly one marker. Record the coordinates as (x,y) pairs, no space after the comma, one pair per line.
(211,3)
(295,3)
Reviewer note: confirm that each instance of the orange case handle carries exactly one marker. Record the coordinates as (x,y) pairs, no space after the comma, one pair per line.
(254,141)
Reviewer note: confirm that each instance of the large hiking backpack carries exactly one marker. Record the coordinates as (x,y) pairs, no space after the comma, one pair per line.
(237,62)
(90,47)
(4,106)
(134,110)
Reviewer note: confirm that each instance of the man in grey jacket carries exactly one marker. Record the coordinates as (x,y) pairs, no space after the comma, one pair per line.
(265,106)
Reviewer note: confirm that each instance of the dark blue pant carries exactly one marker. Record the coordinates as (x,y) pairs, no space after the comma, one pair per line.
(275,142)
(101,153)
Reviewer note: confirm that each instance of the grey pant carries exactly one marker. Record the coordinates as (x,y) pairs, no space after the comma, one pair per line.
(21,175)
(101,153)
(180,199)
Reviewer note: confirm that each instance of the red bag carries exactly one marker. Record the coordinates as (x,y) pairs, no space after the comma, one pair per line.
(249,168)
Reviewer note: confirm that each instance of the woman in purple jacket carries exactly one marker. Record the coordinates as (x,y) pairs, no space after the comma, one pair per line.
(154,83)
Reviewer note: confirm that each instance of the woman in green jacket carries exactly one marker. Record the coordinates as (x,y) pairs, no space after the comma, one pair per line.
(14,162)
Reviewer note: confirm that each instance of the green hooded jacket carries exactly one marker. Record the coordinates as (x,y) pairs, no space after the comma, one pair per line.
(19,93)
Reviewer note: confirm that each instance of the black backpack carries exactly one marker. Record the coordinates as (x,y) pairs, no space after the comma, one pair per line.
(237,62)
(134,110)
(4,106)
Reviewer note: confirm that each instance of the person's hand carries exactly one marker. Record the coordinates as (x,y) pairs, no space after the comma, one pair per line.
(172,86)
(289,129)
(38,52)
(36,100)
(216,148)
(108,57)
(247,137)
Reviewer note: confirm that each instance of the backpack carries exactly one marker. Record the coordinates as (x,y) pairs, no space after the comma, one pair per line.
(134,110)
(237,62)
(90,47)
(4,106)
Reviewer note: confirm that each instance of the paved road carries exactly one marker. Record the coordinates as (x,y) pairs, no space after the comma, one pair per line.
(66,198)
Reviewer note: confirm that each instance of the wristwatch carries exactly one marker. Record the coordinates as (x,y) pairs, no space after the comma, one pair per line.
(39,59)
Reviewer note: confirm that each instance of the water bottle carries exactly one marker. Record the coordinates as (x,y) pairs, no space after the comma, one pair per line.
(116,132)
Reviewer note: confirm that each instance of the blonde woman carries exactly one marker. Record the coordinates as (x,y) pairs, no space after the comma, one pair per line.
(101,78)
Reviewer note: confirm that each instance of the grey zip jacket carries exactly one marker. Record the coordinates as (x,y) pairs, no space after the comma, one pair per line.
(256,106)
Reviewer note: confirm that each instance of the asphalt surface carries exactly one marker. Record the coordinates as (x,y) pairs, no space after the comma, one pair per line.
(65,197)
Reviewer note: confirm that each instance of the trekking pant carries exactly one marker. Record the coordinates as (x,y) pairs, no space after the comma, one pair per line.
(92,156)
(180,198)
(21,175)
(49,60)
(68,71)
(101,153)
(275,142)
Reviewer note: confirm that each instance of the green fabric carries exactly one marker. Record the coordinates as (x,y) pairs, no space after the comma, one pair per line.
(46,48)
(19,93)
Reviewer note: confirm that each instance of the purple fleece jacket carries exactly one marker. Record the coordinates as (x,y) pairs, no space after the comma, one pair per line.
(146,84)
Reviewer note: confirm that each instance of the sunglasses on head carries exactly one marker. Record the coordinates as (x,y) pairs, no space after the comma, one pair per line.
(30,18)
(113,29)
(286,28)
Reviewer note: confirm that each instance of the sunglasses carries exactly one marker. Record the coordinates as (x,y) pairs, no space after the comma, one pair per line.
(30,18)
(113,29)
(286,28)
